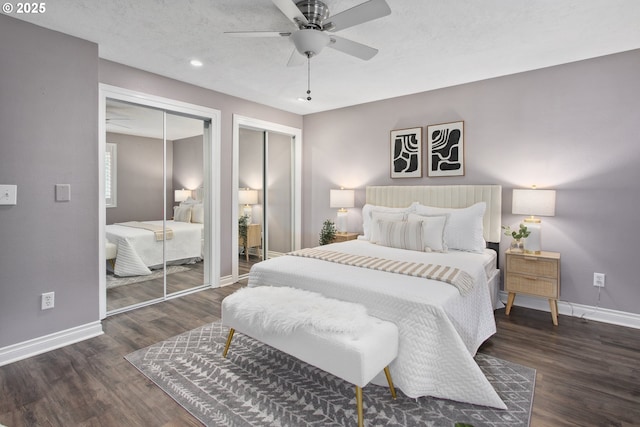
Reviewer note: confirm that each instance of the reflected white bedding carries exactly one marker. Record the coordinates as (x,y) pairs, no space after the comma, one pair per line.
(440,330)
(138,250)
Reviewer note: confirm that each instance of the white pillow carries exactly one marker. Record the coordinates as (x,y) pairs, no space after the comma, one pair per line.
(433,227)
(464,230)
(197,213)
(401,234)
(383,216)
(182,213)
(367,211)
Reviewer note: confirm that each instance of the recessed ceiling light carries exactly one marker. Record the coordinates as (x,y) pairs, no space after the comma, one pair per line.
(196,63)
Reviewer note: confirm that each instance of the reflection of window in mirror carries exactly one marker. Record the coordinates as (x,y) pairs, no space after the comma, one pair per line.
(110,175)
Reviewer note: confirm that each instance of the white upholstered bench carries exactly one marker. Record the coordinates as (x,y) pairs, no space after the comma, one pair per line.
(307,326)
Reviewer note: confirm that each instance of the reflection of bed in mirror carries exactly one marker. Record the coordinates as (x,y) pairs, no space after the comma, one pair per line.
(143,246)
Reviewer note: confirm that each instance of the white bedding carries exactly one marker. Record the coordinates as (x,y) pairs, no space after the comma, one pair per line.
(440,331)
(138,250)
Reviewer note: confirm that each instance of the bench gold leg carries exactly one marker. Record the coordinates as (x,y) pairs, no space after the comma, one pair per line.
(359,406)
(390,381)
(226,347)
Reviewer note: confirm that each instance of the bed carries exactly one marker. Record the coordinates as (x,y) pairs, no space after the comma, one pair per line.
(139,250)
(441,327)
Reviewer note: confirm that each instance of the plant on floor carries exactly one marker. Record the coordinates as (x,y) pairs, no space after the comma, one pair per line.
(328,232)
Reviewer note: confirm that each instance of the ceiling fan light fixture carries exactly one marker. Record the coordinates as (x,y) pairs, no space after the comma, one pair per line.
(309,42)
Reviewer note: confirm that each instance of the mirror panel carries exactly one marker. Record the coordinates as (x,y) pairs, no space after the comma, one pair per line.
(186,263)
(138,188)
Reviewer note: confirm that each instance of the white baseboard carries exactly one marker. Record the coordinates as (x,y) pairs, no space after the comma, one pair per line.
(605,315)
(40,345)
(226,280)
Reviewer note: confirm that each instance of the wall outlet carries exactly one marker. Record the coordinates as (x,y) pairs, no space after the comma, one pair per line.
(598,280)
(48,299)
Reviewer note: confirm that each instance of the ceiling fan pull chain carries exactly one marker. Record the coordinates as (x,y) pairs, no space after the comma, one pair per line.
(308,77)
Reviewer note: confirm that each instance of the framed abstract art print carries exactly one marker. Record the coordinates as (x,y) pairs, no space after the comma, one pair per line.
(445,149)
(406,153)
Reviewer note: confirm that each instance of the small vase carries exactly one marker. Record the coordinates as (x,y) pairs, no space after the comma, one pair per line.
(517,245)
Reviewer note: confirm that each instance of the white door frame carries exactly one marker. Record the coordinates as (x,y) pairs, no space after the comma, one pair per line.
(114,92)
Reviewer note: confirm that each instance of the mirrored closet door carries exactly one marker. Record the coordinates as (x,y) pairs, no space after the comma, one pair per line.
(157,194)
(268,197)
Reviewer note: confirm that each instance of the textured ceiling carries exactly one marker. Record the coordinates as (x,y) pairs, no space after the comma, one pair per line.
(424,44)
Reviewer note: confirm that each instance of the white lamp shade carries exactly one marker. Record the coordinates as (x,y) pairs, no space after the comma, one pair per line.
(534,202)
(248,197)
(181,195)
(341,198)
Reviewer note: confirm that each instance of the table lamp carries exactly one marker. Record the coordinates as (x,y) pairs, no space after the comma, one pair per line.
(533,202)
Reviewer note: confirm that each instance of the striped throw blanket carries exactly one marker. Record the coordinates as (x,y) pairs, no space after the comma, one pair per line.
(454,276)
(157,230)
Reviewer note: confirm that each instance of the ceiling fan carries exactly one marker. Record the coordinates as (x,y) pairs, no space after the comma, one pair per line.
(314,23)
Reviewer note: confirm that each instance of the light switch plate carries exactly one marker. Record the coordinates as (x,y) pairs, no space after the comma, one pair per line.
(63,192)
(8,194)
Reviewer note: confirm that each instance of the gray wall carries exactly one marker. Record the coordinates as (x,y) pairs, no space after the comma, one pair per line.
(188,162)
(48,136)
(572,127)
(140,178)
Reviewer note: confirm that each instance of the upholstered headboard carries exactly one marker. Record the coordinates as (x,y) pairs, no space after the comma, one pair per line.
(445,196)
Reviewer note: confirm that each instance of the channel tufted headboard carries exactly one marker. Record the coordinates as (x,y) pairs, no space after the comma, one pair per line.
(445,196)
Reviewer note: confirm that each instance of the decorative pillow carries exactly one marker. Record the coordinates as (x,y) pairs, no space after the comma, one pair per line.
(401,234)
(197,213)
(433,227)
(367,211)
(464,230)
(383,216)
(182,213)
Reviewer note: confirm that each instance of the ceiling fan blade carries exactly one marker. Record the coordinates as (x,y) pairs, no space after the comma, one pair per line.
(257,33)
(291,11)
(296,59)
(350,47)
(364,12)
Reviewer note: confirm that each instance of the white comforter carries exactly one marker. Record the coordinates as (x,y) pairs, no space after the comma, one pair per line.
(138,248)
(440,331)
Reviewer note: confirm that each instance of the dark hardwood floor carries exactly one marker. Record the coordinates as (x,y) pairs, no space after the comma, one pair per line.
(588,373)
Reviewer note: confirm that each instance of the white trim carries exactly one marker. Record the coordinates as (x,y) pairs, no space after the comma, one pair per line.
(40,345)
(227,280)
(262,125)
(598,314)
(108,91)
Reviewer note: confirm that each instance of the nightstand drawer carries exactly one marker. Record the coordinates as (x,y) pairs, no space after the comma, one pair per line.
(534,266)
(538,286)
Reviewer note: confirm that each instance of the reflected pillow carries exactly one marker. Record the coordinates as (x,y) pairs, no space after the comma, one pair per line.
(182,213)
(197,213)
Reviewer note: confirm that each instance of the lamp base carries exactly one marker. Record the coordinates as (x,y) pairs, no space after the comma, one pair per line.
(532,243)
(341,222)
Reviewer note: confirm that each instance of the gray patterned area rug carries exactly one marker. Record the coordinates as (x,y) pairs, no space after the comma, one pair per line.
(257,385)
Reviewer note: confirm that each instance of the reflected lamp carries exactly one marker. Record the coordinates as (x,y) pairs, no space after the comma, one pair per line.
(181,195)
(247,197)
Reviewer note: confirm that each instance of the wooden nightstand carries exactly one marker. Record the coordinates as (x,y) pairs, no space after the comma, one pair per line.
(534,274)
(254,238)
(343,237)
